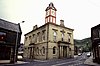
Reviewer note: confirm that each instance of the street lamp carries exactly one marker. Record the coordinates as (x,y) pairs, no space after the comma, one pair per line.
(15,55)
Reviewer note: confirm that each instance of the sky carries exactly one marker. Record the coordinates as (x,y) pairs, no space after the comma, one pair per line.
(79,15)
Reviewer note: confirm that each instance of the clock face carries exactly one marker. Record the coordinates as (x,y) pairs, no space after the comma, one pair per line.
(47,12)
(53,13)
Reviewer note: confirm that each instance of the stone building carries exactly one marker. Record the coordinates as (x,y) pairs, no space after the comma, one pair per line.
(49,41)
(95,37)
(10,36)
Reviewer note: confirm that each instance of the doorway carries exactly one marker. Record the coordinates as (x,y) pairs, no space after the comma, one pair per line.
(64,51)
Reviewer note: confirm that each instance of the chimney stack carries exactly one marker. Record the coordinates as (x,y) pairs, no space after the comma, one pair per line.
(35,27)
(61,22)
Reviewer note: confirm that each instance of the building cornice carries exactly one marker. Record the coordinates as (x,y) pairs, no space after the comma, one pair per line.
(47,24)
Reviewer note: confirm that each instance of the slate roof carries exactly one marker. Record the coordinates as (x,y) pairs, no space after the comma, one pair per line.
(51,6)
(97,26)
(9,26)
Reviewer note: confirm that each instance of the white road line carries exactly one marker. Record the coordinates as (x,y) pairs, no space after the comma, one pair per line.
(40,61)
(65,63)
(70,65)
(75,64)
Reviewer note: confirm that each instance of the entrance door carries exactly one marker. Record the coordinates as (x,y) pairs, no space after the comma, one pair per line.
(5,53)
(31,52)
(64,51)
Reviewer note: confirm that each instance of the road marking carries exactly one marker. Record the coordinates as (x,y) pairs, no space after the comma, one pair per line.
(40,61)
(65,63)
(70,65)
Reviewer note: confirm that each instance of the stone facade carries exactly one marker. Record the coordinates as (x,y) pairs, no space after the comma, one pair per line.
(95,37)
(49,41)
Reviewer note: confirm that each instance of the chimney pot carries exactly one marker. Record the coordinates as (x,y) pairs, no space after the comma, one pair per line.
(62,22)
(35,27)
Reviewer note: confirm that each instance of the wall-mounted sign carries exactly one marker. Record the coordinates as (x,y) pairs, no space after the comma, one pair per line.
(2,36)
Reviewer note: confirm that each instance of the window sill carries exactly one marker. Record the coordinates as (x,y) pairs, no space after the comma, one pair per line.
(54,54)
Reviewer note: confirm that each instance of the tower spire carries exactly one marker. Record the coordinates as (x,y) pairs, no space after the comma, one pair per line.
(50,13)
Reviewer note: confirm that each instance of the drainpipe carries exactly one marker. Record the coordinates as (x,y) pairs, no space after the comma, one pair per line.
(47,40)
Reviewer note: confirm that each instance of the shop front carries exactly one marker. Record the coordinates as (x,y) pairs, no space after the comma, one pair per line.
(10,35)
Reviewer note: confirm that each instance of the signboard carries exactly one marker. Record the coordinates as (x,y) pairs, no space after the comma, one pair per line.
(2,37)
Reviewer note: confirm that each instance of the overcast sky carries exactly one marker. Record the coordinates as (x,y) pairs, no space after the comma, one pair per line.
(79,15)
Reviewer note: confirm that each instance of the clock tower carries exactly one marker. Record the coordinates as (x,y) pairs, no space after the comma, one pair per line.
(50,14)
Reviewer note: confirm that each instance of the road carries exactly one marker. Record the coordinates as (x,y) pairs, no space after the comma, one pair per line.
(77,61)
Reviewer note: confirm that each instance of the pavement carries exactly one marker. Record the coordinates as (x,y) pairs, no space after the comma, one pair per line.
(90,62)
(7,62)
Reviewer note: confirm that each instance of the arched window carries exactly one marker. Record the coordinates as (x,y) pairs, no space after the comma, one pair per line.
(37,50)
(69,37)
(54,50)
(33,38)
(43,35)
(54,35)
(30,39)
(43,48)
(38,36)
(69,49)
(62,35)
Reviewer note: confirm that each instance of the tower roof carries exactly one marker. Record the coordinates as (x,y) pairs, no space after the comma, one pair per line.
(51,6)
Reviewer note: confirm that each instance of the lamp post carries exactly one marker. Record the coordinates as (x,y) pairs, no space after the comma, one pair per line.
(87,46)
(16,47)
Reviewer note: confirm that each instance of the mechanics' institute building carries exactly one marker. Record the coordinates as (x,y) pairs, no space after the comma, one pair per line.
(49,41)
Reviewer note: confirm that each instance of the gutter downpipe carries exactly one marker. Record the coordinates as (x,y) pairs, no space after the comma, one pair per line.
(47,41)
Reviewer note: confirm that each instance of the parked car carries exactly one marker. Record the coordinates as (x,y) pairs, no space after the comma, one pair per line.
(79,54)
(88,54)
(20,57)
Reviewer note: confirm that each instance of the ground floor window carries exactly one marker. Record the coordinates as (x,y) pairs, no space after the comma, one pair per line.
(5,52)
(54,50)
(37,50)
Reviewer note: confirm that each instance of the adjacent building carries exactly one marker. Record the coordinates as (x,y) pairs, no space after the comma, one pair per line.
(10,35)
(49,41)
(76,50)
(95,37)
